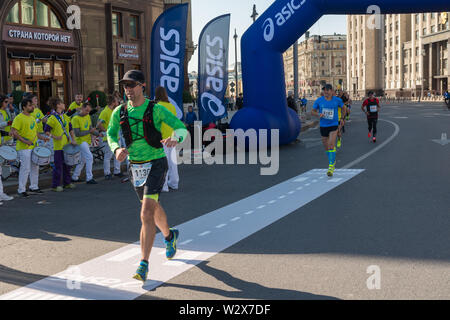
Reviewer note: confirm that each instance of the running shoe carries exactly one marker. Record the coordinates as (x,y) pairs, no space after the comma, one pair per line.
(330,171)
(374,139)
(69,186)
(141,272)
(58,189)
(339,143)
(171,246)
(36,191)
(369,134)
(5,197)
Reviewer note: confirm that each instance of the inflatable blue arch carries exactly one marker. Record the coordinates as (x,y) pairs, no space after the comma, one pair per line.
(263,44)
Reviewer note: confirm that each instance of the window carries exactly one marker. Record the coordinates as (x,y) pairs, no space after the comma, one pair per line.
(433,29)
(118,74)
(35,13)
(27,12)
(417,18)
(417,34)
(417,51)
(417,67)
(424,31)
(13,15)
(134,26)
(41,14)
(424,17)
(116,24)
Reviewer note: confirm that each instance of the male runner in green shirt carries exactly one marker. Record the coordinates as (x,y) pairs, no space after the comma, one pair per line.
(148,165)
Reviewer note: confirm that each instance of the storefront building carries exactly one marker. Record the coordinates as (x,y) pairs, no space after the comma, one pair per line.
(41,52)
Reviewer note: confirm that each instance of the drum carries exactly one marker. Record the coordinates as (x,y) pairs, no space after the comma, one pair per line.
(7,153)
(72,154)
(41,156)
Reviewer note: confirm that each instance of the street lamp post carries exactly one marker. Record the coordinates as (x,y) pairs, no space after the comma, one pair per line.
(254,13)
(422,75)
(235,63)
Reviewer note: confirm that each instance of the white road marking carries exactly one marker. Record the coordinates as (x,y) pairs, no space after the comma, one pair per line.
(126,255)
(104,279)
(378,148)
(235,219)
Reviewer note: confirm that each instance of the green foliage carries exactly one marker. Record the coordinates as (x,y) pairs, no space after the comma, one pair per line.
(18,95)
(102,100)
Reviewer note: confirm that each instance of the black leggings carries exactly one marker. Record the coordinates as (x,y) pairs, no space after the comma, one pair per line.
(373,125)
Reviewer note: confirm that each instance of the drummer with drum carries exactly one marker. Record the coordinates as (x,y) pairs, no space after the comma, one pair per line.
(24,129)
(7,153)
(59,128)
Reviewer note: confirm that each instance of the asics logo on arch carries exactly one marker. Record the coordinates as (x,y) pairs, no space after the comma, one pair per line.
(269,29)
(281,18)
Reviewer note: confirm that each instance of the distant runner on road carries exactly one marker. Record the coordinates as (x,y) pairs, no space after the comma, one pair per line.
(371,107)
(326,108)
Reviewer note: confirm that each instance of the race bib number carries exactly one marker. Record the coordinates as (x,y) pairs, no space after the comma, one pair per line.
(373,108)
(140,173)
(328,114)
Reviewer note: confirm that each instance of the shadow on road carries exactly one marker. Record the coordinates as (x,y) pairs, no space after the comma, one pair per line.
(245,289)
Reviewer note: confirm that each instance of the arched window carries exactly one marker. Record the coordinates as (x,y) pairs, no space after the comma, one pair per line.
(34,13)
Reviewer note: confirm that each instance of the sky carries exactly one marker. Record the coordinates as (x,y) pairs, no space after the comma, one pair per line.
(204,11)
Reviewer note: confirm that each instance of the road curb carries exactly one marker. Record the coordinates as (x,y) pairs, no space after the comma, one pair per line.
(46,181)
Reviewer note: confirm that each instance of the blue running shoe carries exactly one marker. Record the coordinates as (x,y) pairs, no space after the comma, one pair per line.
(141,272)
(171,246)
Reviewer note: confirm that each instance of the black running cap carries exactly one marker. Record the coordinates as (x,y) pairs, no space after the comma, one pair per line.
(133,75)
(327,87)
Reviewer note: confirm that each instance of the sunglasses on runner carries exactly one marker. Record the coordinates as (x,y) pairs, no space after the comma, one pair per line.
(131,85)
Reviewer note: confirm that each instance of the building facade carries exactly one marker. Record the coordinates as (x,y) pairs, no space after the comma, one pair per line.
(410,50)
(41,52)
(321,60)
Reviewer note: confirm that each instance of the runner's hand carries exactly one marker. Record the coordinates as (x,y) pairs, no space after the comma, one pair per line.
(169,143)
(121,154)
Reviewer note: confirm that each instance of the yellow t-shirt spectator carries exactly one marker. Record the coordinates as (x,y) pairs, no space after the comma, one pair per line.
(84,124)
(167,131)
(74,105)
(26,127)
(104,118)
(38,115)
(57,130)
(6,118)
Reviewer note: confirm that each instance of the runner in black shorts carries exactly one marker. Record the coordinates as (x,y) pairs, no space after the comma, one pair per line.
(148,162)
(326,107)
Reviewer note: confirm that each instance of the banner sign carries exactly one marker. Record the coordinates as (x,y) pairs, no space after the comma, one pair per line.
(168,54)
(213,69)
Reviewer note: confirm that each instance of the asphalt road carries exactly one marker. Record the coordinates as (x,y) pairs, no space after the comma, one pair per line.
(394,216)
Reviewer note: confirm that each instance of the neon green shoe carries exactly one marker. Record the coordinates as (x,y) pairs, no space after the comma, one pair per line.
(330,170)
(339,143)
